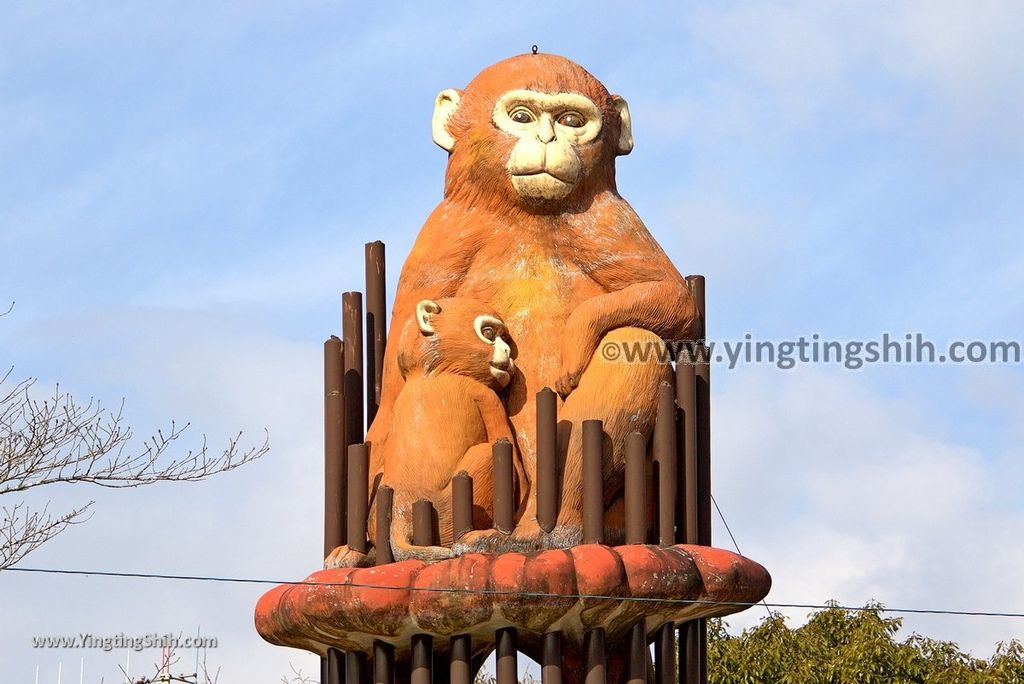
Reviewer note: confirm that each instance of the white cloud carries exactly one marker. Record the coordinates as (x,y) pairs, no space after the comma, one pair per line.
(846,494)
(261,521)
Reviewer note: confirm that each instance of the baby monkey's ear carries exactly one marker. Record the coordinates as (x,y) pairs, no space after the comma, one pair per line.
(425,310)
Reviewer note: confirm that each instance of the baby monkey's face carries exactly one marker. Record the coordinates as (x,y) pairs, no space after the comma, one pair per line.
(491,330)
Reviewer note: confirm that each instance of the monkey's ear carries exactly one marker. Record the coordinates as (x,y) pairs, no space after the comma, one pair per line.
(625,143)
(445,104)
(424,310)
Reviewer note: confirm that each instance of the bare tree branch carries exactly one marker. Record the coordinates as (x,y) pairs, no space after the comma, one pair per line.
(296,677)
(25,530)
(60,439)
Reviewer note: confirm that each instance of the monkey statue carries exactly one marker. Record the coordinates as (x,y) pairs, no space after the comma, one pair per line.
(532,224)
(455,357)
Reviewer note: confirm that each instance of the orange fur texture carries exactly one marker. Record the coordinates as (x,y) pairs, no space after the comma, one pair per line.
(568,275)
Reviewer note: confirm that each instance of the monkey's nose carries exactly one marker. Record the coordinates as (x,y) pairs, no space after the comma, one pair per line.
(545,130)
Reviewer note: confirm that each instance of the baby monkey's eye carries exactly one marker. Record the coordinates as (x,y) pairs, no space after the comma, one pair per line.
(571,119)
(489,332)
(522,115)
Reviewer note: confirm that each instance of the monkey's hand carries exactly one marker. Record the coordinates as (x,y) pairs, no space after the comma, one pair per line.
(344,557)
(578,345)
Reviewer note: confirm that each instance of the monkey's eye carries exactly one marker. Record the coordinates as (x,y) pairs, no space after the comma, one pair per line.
(572,120)
(522,115)
(489,332)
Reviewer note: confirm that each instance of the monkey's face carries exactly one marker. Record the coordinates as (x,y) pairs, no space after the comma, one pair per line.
(491,331)
(535,131)
(458,335)
(553,135)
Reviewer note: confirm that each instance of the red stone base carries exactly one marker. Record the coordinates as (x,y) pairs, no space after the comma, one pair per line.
(572,590)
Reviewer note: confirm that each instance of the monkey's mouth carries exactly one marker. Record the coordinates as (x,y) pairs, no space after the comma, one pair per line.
(542,185)
(548,175)
(502,371)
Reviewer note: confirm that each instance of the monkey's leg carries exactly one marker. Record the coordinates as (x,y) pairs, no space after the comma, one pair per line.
(623,394)
(344,557)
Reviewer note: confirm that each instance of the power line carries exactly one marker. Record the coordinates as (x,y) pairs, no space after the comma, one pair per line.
(525,594)
(734,542)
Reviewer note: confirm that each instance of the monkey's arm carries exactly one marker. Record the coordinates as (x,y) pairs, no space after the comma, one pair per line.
(664,307)
(492,411)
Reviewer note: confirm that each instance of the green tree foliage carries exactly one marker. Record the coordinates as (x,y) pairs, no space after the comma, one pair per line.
(839,646)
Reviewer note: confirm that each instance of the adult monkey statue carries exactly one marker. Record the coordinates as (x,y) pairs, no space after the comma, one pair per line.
(532,224)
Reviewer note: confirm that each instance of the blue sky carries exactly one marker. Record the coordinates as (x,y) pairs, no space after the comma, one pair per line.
(185,192)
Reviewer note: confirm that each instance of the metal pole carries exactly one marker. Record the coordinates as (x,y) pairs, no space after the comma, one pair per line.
(665,463)
(593,482)
(689,652)
(358,496)
(422,659)
(689,664)
(636,490)
(423,523)
(551,665)
(702,387)
(334,451)
(383,663)
(665,655)
(686,399)
(355,667)
(385,498)
(504,496)
(506,667)
(352,333)
(547,459)
(335,666)
(461,668)
(596,672)
(462,504)
(638,655)
(376,325)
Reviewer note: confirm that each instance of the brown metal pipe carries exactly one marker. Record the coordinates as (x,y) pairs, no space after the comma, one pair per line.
(551,660)
(335,666)
(547,459)
(352,334)
(687,504)
(423,523)
(504,491)
(506,666)
(596,665)
(636,672)
(665,655)
(383,663)
(334,449)
(461,668)
(702,635)
(702,390)
(376,325)
(697,288)
(689,653)
(355,668)
(593,482)
(422,659)
(665,463)
(703,401)
(636,488)
(358,496)
(462,504)
(385,502)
